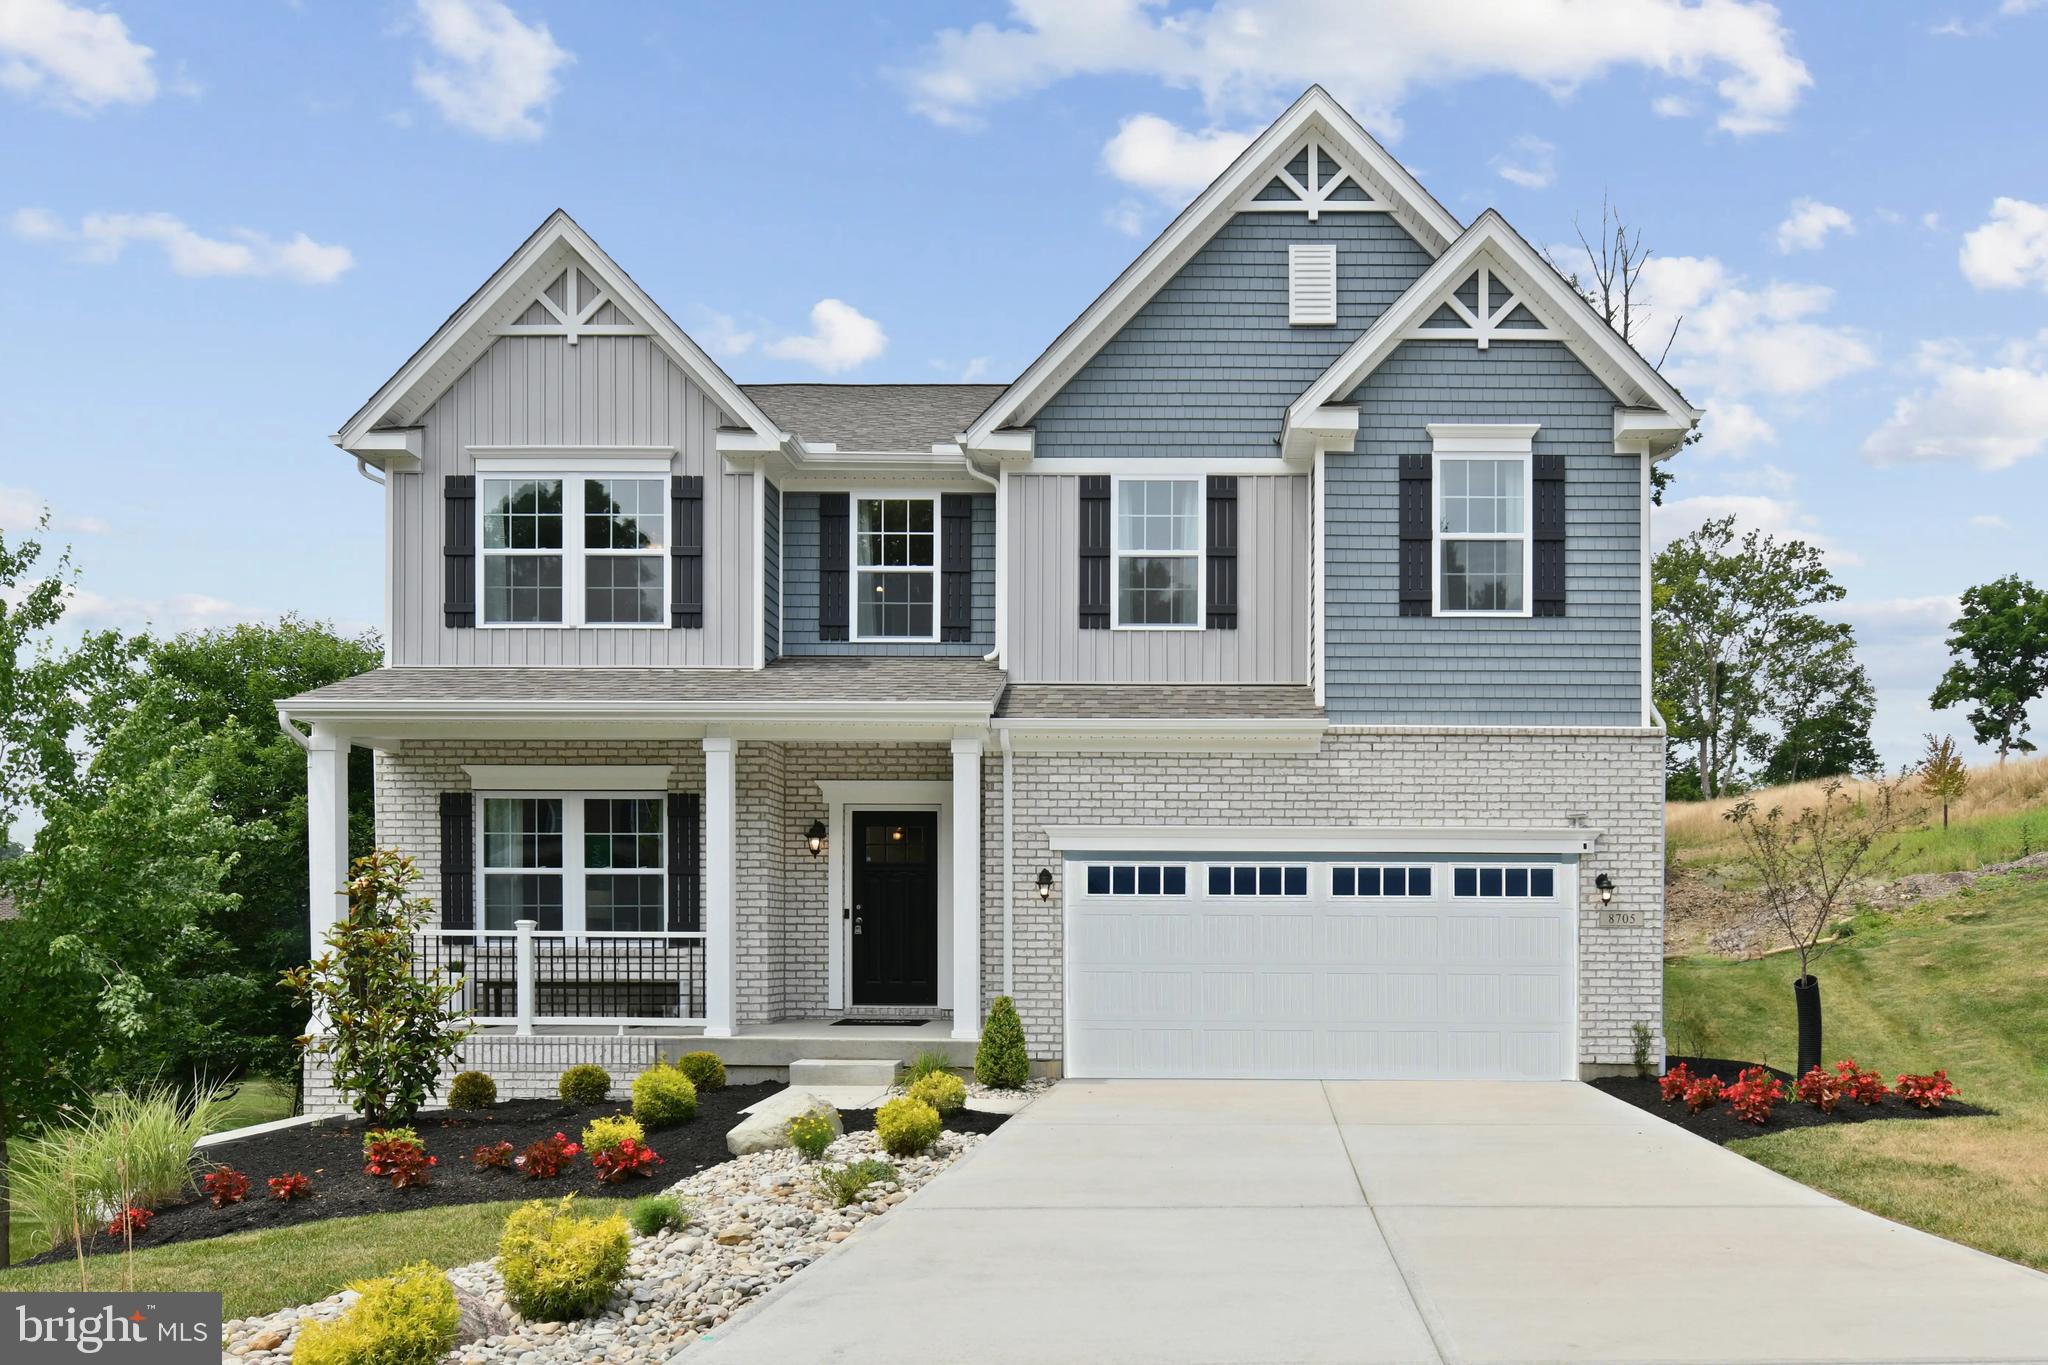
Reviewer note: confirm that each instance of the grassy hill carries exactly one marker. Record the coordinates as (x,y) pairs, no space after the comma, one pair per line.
(1960,983)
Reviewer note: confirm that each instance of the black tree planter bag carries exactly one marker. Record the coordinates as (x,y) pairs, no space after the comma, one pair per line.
(1806,996)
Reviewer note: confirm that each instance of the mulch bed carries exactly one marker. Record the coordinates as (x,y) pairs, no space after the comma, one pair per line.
(330,1154)
(1719,1123)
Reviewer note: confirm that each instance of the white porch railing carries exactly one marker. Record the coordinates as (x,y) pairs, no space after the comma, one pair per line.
(527,976)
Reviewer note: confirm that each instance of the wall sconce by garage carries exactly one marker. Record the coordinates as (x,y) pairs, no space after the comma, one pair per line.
(1044,883)
(814,837)
(1604,884)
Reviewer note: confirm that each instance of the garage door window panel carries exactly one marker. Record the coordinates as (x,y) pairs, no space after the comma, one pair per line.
(1382,881)
(1504,883)
(1267,879)
(1137,879)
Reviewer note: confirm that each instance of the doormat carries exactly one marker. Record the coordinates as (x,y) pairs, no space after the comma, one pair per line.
(875,1023)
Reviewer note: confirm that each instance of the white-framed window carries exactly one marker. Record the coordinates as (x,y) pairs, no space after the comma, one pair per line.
(1267,879)
(1503,883)
(1481,485)
(1137,879)
(1403,881)
(581,862)
(1156,547)
(895,568)
(582,549)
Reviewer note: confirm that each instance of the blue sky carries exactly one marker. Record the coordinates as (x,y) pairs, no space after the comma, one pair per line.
(221,227)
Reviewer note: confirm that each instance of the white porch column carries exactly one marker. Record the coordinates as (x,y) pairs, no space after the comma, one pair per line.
(720,861)
(326,830)
(967,886)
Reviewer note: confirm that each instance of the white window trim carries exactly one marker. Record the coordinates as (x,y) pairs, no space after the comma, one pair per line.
(855,568)
(573,871)
(1200,554)
(573,552)
(1458,441)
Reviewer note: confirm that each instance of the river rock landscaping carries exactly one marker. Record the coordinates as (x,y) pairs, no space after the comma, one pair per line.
(1719,1123)
(754,1221)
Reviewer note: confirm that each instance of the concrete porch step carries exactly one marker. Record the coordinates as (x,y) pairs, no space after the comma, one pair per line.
(814,1071)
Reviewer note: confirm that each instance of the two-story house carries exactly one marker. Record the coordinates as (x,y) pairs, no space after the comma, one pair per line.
(1258,686)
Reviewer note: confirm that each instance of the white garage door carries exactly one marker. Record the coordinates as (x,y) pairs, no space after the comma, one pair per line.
(1422,967)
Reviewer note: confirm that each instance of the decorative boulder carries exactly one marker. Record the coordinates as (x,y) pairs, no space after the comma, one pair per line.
(768,1126)
(480,1318)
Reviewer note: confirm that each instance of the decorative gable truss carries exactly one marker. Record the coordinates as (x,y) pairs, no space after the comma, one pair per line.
(1485,308)
(573,305)
(1316,180)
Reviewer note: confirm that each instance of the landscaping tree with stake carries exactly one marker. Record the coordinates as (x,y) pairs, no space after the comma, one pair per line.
(1942,774)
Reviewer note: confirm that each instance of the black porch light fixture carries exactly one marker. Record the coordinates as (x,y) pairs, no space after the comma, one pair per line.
(1045,883)
(1604,884)
(814,837)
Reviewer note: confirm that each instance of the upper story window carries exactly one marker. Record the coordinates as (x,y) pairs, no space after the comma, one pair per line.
(580,863)
(1158,553)
(609,574)
(895,568)
(1481,520)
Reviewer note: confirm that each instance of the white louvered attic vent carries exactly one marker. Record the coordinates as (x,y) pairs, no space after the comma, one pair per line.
(1312,286)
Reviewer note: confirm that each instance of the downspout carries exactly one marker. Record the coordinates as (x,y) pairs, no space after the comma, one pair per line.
(363,468)
(284,723)
(1009,869)
(995,656)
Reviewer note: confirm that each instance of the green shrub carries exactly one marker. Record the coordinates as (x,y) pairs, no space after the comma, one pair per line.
(942,1090)
(558,1266)
(663,1096)
(408,1318)
(704,1069)
(810,1134)
(656,1212)
(472,1090)
(928,1062)
(605,1135)
(1000,1060)
(843,1184)
(906,1126)
(585,1084)
(131,1149)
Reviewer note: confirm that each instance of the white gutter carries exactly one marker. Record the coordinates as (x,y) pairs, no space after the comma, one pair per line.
(995,656)
(284,723)
(1009,870)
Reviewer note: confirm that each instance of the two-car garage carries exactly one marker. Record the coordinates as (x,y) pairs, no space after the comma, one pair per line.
(1329,964)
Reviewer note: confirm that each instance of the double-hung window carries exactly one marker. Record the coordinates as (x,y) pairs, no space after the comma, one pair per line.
(895,568)
(1482,521)
(568,550)
(1158,553)
(580,862)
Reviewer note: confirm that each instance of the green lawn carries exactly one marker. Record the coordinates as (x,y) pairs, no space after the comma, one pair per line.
(258,1272)
(1960,983)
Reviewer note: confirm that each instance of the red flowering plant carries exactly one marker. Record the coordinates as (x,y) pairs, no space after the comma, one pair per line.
(1864,1087)
(1672,1084)
(1821,1088)
(225,1186)
(548,1158)
(1703,1093)
(614,1164)
(492,1156)
(1753,1094)
(130,1222)
(285,1188)
(1926,1092)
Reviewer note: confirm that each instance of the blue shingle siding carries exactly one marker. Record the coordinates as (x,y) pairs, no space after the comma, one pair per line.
(771,571)
(1208,366)
(1583,668)
(799,529)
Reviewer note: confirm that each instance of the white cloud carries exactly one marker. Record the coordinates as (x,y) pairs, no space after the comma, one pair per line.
(1931,220)
(101,238)
(495,75)
(974,370)
(177,612)
(1807,226)
(74,58)
(1780,518)
(21,509)
(1532,164)
(721,335)
(1243,55)
(1154,155)
(841,337)
(1992,415)
(1673,106)
(1734,428)
(1990,521)
(2010,251)
(1126,216)
(1932,612)
(1742,341)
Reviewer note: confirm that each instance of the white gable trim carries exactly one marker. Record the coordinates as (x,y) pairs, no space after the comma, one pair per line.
(471,329)
(1314,117)
(1658,412)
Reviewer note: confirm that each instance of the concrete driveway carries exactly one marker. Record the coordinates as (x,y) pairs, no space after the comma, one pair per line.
(1189,1221)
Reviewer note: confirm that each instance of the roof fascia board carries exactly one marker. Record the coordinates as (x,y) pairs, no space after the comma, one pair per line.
(1420,840)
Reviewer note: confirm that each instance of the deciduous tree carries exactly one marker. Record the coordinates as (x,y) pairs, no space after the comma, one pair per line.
(1943,775)
(2000,644)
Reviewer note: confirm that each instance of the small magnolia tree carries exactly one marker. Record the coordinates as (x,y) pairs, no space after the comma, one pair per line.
(387,1033)
(1942,774)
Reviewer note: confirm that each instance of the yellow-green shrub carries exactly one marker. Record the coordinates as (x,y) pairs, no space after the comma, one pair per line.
(663,1095)
(704,1069)
(942,1090)
(558,1266)
(472,1090)
(585,1083)
(407,1318)
(603,1135)
(810,1134)
(906,1126)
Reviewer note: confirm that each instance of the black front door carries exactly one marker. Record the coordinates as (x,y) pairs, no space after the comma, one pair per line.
(895,908)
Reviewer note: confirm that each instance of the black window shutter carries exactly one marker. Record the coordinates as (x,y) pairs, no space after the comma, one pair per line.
(833,550)
(956,567)
(1222,552)
(458,550)
(1094,541)
(686,551)
(1546,526)
(685,863)
(1415,535)
(458,862)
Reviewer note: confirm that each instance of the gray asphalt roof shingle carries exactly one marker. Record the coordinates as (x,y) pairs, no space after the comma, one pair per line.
(822,679)
(1076,701)
(861,417)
